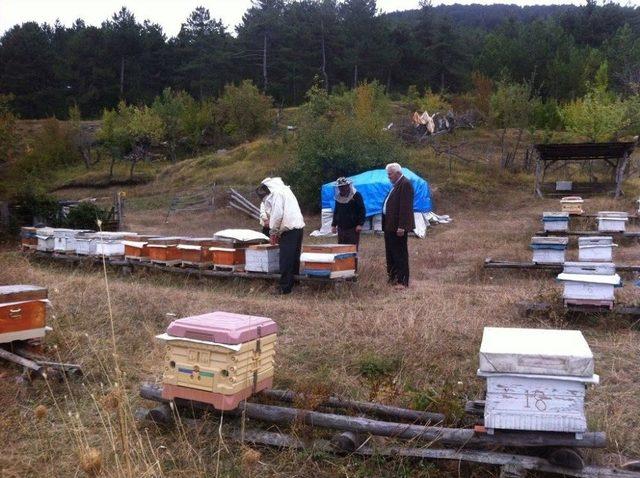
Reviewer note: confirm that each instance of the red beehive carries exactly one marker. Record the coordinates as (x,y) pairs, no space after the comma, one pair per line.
(23,312)
(164,249)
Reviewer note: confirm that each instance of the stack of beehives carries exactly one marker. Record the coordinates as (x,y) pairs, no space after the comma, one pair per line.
(572,205)
(230,253)
(23,312)
(136,246)
(218,358)
(536,379)
(589,284)
(555,221)
(196,251)
(549,250)
(329,260)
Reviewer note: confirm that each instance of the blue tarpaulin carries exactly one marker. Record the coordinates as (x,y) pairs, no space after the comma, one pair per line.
(374,187)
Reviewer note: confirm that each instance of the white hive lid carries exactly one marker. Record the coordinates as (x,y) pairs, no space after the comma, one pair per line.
(535,351)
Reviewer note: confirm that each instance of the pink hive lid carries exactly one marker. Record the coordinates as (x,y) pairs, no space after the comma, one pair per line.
(222,327)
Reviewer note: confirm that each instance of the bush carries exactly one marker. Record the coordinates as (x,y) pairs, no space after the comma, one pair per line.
(31,207)
(245,111)
(341,135)
(8,136)
(85,216)
(545,115)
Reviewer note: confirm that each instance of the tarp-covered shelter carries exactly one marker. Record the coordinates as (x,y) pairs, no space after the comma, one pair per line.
(374,186)
(557,155)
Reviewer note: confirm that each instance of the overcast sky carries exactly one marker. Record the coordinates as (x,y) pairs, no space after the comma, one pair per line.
(171,13)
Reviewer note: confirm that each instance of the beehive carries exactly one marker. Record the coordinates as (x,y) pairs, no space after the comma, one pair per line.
(228,257)
(22,312)
(536,379)
(218,358)
(28,238)
(589,283)
(64,240)
(337,260)
(555,221)
(195,250)
(549,250)
(164,249)
(135,245)
(99,243)
(45,239)
(595,249)
(572,204)
(612,221)
(262,258)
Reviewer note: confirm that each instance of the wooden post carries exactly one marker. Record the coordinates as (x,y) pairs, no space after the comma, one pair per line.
(539,176)
(4,214)
(619,175)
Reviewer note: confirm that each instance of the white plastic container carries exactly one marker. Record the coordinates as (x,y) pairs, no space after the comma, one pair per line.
(555,221)
(612,221)
(595,249)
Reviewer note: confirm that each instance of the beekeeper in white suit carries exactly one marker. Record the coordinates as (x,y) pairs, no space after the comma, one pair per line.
(280,212)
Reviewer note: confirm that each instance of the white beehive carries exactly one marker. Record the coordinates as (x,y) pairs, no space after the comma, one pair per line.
(536,379)
(549,250)
(64,240)
(99,243)
(262,258)
(589,282)
(595,249)
(555,221)
(612,221)
(46,240)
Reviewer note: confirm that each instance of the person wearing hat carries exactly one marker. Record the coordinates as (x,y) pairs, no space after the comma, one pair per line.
(349,213)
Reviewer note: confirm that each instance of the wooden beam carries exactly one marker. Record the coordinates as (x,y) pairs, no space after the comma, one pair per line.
(497,264)
(11,357)
(445,436)
(281,440)
(377,409)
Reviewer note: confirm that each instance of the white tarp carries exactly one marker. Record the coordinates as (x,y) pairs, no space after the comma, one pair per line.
(243,235)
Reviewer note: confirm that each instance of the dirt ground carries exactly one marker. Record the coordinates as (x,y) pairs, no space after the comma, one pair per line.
(416,348)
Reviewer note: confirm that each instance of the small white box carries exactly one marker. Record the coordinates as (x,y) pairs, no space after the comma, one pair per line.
(612,221)
(564,185)
(595,249)
(589,281)
(262,259)
(549,250)
(555,221)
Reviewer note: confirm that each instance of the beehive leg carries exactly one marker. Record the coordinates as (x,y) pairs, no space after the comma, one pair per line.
(512,471)
(161,415)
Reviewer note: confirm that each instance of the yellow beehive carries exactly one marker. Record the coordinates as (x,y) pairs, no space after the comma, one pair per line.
(200,366)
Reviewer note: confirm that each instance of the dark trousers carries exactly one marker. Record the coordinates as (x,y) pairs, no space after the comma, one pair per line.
(397,258)
(290,248)
(266,231)
(348,236)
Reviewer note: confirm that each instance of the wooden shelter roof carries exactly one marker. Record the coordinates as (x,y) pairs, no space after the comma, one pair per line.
(584,151)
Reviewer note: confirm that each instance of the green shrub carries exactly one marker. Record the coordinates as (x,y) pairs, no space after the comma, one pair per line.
(85,216)
(341,135)
(31,207)
(245,111)
(8,135)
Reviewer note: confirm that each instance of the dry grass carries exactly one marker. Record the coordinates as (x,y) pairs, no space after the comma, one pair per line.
(413,348)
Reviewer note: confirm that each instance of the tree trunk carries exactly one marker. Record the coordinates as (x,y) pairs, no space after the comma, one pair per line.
(113,162)
(264,63)
(324,59)
(122,78)
(355,76)
(133,165)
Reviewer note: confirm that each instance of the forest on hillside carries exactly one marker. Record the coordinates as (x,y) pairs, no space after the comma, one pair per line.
(285,47)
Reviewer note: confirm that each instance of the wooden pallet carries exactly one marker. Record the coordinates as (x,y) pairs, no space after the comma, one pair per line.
(228,268)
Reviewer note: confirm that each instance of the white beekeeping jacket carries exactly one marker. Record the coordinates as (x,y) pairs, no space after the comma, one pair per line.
(281,207)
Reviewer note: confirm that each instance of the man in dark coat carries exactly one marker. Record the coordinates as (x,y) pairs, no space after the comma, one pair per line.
(397,222)
(349,214)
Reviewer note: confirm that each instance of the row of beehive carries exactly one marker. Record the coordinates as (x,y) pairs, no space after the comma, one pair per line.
(608,221)
(552,250)
(247,252)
